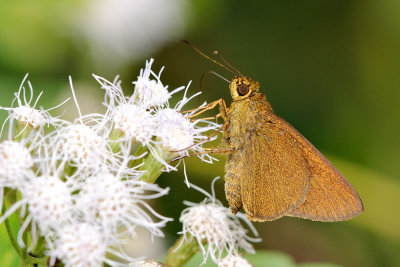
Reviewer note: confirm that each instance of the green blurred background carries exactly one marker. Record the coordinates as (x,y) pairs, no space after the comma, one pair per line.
(330,68)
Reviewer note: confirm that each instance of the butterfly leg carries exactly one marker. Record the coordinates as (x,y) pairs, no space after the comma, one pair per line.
(232,186)
(216,150)
(212,105)
(206,151)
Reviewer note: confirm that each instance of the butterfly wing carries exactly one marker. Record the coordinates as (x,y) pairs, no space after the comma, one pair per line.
(330,196)
(274,177)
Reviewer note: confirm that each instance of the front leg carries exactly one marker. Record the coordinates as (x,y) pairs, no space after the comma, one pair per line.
(222,109)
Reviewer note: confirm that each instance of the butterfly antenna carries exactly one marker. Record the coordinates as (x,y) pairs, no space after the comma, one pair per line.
(227,63)
(209,58)
(201,81)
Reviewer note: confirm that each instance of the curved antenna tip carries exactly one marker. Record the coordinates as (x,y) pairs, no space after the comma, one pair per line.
(228,67)
(227,63)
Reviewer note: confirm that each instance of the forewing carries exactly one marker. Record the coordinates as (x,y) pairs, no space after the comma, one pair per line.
(274,176)
(330,196)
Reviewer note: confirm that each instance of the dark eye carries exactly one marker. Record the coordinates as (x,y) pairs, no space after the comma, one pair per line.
(242,89)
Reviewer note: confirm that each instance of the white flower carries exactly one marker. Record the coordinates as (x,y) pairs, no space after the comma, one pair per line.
(15,160)
(80,146)
(111,202)
(145,118)
(49,204)
(146,263)
(152,93)
(26,113)
(175,132)
(80,184)
(215,228)
(129,117)
(135,122)
(177,135)
(80,245)
(234,261)
(15,164)
(49,201)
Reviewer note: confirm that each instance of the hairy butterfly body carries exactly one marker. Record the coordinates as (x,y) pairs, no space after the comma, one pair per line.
(272,170)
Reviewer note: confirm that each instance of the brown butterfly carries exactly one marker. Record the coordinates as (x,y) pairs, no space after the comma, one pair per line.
(272,170)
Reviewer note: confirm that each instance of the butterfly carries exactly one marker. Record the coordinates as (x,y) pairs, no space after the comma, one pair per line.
(271,169)
(274,171)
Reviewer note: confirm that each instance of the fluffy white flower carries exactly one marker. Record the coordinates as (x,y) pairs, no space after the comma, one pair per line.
(151,93)
(82,188)
(49,201)
(15,160)
(234,261)
(175,128)
(146,114)
(177,136)
(49,204)
(175,132)
(215,228)
(80,245)
(26,113)
(146,263)
(15,164)
(111,202)
(80,146)
(135,122)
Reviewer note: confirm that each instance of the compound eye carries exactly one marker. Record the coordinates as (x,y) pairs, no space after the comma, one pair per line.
(242,89)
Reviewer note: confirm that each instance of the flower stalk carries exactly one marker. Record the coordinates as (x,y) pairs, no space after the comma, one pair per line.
(26,259)
(152,169)
(182,251)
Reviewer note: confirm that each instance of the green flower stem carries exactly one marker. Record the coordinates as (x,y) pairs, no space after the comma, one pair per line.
(40,261)
(30,261)
(154,167)
(138,150)
(114,136)
(7,224)
(181,252)
(14,242)
(40,246)
(26,259)
(24,251)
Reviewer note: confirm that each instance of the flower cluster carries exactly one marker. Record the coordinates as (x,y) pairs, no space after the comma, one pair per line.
(91,177)
(233,261)
(216,230)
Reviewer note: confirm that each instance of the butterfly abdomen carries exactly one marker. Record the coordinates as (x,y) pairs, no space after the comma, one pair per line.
(232,184)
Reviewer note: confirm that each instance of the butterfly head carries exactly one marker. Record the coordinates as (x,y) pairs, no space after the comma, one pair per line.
(242,87)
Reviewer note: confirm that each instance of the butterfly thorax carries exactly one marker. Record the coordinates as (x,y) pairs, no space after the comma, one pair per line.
(246,117)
